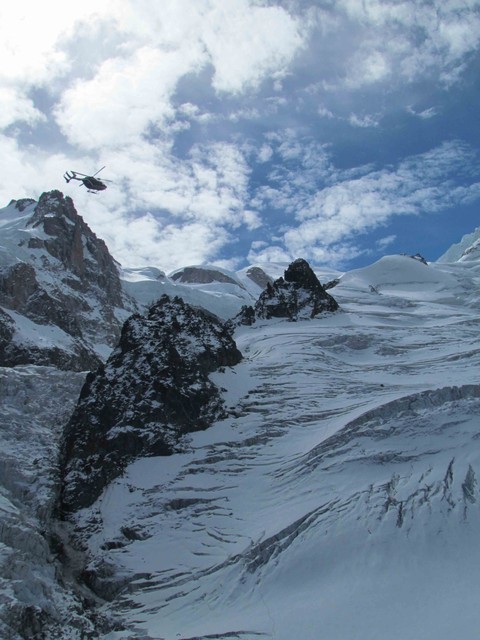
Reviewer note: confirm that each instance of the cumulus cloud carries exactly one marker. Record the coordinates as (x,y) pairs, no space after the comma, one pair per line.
(273,39)
(131,92)
(16,107)
(125,97)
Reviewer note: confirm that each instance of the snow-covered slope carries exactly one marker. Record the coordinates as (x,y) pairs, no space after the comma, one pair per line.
(36,595)
(467,249)
(221,291)
(338,500)
(224,296)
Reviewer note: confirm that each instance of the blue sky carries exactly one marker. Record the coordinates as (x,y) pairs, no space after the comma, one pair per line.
(247,131)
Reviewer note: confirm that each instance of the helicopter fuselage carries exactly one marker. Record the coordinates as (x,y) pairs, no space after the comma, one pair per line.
(93,183)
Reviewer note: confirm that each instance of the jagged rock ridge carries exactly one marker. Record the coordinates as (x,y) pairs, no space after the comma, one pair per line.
(298,295)
(60,275)
(153,389)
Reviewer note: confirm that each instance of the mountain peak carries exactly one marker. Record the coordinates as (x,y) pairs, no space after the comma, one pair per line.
(297,295)
(55,272)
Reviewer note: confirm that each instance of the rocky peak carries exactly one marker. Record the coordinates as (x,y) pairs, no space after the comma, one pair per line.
(153,389)
(298,295)
(71,241)
(58,273)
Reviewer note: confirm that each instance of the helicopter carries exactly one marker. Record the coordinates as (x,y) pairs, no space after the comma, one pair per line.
(92,183)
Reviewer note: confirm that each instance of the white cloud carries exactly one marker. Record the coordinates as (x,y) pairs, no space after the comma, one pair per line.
(27,172)
(125,97)
(247,43)
(368,67)
(198,201)
(265,153)
(425,114)
(142,240)
(363,121)
(17,108)
(269,254)
(405,40)
(385,242)
(323,112)
(328,218)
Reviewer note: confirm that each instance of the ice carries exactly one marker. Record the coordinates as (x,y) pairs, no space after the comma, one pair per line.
(338,499)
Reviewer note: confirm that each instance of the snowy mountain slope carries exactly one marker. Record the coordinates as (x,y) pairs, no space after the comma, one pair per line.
(338,500)
(153,389)
(225,296)
(467,249)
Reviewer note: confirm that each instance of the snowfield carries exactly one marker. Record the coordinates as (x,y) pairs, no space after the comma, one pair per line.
(339,499)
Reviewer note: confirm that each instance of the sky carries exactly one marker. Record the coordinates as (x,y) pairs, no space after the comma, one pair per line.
(237,132)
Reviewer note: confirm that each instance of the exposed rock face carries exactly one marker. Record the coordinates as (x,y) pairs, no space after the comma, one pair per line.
(419,257)
(259,277)
(298,295)
(202,275)
(62,276)
(153,389)
(73,243)
(13,352)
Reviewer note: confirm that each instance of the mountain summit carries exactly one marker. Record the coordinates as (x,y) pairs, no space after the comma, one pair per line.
(297,295)
(57,279)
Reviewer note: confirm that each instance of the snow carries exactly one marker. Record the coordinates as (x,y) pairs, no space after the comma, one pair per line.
(223,299)
(339,498)
(467,249)
(44,336)
(35,403)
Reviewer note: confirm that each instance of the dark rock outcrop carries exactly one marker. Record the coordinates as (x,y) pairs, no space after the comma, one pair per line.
(153,389)
(71,241)
(298,295)
(15,352)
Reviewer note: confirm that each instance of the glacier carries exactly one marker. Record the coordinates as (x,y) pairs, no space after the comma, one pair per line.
(340,497)
(337,498)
